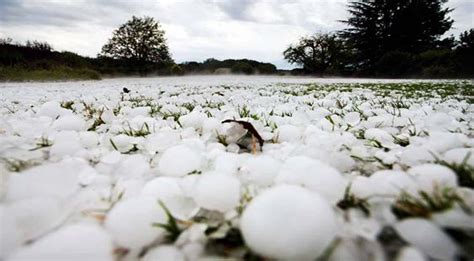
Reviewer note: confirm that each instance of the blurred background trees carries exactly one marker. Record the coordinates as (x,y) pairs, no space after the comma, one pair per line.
(319,54)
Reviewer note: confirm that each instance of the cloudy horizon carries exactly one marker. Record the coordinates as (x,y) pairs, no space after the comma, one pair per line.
(195,30)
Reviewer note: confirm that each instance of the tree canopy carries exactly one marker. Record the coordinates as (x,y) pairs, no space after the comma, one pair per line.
(141,40)
(318,53)
(377,27)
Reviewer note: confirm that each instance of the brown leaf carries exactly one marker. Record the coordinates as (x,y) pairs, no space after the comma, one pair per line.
(248,126)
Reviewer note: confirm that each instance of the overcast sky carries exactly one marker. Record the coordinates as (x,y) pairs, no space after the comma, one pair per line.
(195,29)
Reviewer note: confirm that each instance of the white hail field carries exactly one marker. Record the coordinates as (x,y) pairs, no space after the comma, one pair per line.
(347,170)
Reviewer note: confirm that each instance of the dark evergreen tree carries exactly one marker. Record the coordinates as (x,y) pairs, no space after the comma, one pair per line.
(378,27)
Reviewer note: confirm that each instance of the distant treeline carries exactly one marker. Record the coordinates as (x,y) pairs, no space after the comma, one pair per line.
(241,66)
(38,61)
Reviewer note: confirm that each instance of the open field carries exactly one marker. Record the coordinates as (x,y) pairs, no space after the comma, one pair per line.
(349,169)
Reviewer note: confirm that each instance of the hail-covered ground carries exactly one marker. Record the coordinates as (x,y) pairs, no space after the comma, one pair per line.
(348,170)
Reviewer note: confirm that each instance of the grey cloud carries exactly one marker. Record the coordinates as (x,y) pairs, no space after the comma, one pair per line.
(235,9)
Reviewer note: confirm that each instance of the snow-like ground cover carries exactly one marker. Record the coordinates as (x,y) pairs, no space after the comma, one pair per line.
(349,169)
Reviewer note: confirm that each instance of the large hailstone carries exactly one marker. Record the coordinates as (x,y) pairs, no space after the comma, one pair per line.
(36,216)
(379,135)
(194,120)
(459,155)
(216,191)
(287,133)
(50,180)
(73,242)
(429,176)
(260,170)
(69,123)
(162,140)
(130,222)
(427,237)
(169,191)
(179,161)
(314,175)
(288,222)
(391,183)
(164,253)
(51,109)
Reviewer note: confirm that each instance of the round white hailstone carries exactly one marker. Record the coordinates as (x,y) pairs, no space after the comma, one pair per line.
(188,133)
(61,136)
(51,109)
(162,140)
(34,217)
(429,176)
(69,123)
(287,133)
(194,120)
(138,112)
(168,190)
(379,135)
(439,121)
(211,126)
(427,237)
(169,109)
(410,254)
(444,141)
(392,183)
(336,159)
(215,191)
(414,155)
(459,156)
(130,222)
(54,180)
(266,135)
(360,225)
(454,218)
(193,251)
(161,187)
(233,148)
(91,177)
(314,175)
(379,120)
(130,187)
(9,231)
(288,222)
(64,148)
(111,158)
(388,158)
(188,185)
(260,170)
(108,116)
(195,144)
(215,148)
(89,139)
(122,142)
(164,253)
(179,161)
(133,166)
(73,242)
(352,118)
(227,162)
(362,187)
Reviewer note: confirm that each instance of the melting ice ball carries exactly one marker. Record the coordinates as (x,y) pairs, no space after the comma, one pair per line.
(288,222)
